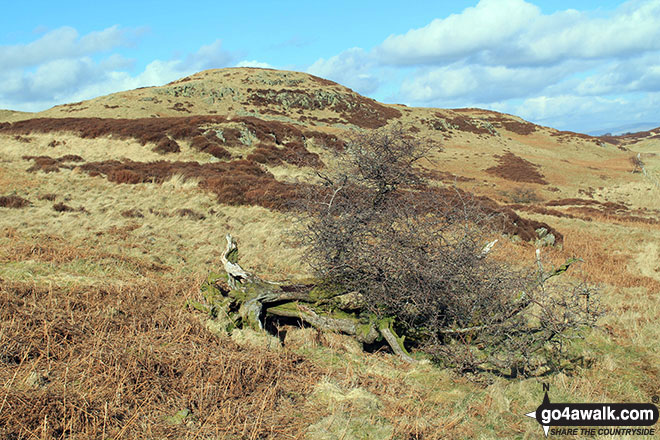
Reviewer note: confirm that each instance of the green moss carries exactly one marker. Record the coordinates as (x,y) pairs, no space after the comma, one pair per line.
(340,314)
(388,323)
(179,417)
(286,308)
(214,277)
(363,330)
(232,256)
(204,308)
(210,291)
(238,294)
(325,291)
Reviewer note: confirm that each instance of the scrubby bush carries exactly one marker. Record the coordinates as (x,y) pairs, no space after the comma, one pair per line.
(379,230)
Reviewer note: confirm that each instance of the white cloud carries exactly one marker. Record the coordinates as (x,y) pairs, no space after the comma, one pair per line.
(515,32)
(63,67)
(64,43)
(565,69)
(480,83)
(53,80)
(581,113)
(638,74)
(500,51)
(253,63)
(486,26)
(352,68)
(211,56)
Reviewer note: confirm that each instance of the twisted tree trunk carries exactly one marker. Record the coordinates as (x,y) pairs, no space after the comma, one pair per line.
(255,299)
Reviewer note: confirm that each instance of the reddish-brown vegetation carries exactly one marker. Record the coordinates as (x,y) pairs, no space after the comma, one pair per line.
(512,167)
(117,362)
(165,131)
(144,129)
(179,81)
(132,213)
(468,125)
(322,81)
(562,135)
(518,127)
(504,217)
(210,145)
(13,201)
(245,182)
(293,153)
(61,207)
(614,140)
(24,139)
(48,164)
(240,182)
(327,140)
(180,107)
(124,176)
(630,137)
(50,197)
(588,209)
(637,164)
(541,210)
(43,163)
(270,131)
(55,143)
(232,136)
(500,120)
(354,109)
(189,213)
(608,206)
(167,145)
(609,214)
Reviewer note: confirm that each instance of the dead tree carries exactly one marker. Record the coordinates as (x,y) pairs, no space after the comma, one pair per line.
(255,299)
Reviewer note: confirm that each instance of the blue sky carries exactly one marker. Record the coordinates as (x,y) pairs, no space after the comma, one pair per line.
(579,66)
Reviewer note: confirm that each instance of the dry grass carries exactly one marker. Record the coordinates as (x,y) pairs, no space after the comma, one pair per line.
(90,149)
(606,260)
(95,341)
(121,361)
(161,236)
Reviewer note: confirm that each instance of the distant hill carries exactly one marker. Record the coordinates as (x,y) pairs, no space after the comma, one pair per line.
(625,129)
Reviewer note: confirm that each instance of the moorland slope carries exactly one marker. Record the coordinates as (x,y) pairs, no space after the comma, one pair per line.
(113,211)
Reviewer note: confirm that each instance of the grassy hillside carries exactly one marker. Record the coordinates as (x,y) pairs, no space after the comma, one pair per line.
(113,211)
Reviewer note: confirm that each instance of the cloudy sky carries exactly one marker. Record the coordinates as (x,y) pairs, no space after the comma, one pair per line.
(586,69)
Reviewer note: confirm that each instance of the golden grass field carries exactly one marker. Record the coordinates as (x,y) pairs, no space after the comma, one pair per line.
(96,341)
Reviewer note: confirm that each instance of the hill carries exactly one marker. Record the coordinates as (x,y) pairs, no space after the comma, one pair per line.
(114,211)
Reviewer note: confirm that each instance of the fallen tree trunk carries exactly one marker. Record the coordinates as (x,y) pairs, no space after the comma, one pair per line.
(248,300)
